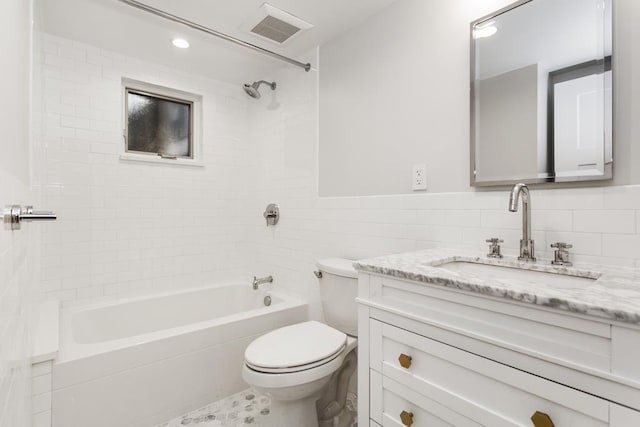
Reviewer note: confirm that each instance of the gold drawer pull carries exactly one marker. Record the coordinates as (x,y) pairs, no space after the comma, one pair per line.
(406,418)
(540,419)
(405,361)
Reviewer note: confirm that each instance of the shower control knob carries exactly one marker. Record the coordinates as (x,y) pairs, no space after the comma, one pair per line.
(561,254)
(494,247)
(272,214)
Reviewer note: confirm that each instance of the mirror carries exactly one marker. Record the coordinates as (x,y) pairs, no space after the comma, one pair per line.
(541,93)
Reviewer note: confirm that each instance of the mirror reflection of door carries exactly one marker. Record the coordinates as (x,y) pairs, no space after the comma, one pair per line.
(577,99)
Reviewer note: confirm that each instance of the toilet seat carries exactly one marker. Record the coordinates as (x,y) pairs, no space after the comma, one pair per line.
(272,381)
(295,348)
(296,368)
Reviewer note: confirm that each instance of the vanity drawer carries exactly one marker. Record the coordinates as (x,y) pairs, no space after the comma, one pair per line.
(480,390)
(390,399)
(541,333)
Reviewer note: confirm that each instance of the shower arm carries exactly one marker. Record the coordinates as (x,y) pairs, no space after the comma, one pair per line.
(260,82)
(210,31)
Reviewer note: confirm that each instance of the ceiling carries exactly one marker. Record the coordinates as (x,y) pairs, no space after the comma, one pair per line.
(112,25)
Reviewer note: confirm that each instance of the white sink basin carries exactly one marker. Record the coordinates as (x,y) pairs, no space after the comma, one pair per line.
(500,272)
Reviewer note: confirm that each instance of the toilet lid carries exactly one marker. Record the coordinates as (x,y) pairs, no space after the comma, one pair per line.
(295,346)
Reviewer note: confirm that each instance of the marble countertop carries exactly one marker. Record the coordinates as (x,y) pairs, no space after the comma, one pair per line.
(614,294)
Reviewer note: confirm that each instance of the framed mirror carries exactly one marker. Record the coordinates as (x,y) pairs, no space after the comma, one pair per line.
(541,93)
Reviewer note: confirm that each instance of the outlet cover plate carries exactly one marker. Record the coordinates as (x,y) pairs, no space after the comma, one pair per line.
(419,177)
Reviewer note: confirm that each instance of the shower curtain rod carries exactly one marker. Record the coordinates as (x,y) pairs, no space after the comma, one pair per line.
(174,18)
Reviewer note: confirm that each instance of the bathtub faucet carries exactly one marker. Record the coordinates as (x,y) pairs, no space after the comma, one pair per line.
(260,280)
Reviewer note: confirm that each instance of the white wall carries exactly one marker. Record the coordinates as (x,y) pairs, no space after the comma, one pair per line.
(16,284)
(128,227)
(397,89)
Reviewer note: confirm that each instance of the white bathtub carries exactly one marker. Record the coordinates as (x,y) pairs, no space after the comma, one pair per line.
(138,362)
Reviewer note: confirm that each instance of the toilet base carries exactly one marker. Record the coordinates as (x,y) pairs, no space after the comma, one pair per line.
(299,413)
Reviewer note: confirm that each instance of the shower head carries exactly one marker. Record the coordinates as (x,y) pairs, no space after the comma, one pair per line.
(252,89)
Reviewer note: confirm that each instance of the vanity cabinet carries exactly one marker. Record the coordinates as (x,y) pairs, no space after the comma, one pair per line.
(430,355)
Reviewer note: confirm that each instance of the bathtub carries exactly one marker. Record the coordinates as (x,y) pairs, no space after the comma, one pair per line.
(137,362)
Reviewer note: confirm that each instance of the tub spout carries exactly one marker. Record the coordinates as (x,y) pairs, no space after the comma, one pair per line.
(257,281)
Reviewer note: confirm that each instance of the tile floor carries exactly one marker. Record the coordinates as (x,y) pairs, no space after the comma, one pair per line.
(242,409)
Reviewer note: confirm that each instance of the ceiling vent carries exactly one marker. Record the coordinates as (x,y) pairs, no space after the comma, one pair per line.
(275,25)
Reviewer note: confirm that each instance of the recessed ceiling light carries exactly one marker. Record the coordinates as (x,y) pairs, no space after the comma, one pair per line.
(181,43)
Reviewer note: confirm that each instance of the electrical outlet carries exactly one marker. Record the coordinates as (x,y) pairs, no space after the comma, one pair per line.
(419,177)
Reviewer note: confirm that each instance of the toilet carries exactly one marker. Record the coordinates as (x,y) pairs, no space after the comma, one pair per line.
(295,364)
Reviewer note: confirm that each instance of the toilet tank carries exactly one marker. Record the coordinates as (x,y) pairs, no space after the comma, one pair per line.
(338,290)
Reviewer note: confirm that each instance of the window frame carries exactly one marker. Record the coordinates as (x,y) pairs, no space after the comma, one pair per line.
(194,101)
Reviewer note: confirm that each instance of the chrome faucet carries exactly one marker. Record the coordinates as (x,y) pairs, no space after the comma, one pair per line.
(526,244)
(257,281)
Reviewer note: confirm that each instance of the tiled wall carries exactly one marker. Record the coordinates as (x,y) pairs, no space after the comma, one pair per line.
(128,227)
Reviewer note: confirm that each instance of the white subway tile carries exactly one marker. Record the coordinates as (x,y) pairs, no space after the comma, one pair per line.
(107,148)
(605,221)
(551,220)
(501,219)
(621,245)
(71,52)
(569,199)
(75,122)
(622,197)
(100,60)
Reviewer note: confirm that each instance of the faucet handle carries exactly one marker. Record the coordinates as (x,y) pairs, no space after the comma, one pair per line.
(561,254)
(494,247)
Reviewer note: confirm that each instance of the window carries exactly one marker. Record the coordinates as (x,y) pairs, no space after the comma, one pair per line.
(160,123)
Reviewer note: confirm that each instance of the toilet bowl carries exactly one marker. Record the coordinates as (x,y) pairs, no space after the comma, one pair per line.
(294,364)
(300,360)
